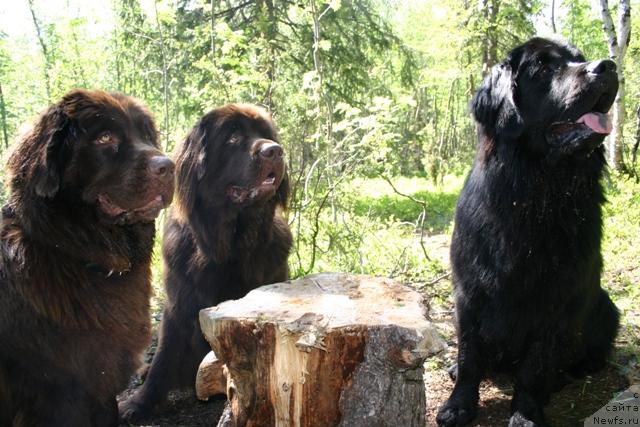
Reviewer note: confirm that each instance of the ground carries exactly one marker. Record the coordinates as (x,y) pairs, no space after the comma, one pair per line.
(183,409)
(393,248)
(567,408)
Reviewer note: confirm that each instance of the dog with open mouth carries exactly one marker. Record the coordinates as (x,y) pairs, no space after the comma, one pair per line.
(86,184)
(525,250)
(225,236)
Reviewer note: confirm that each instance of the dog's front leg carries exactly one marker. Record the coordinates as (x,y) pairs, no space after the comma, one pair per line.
(532,387)
(462,405)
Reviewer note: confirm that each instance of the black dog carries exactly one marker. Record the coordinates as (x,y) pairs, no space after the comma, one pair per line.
(224,238)
(526,245)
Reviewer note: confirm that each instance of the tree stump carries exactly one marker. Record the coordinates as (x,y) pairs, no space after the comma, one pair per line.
(211,378)
(326,350)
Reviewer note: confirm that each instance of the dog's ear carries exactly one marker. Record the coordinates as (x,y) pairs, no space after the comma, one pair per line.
(493,105)
(190,167)
(49,138)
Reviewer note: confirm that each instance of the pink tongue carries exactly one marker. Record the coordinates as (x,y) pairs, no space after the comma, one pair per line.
(598,122)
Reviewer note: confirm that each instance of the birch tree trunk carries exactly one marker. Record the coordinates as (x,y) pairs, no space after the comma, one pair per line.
(617,42)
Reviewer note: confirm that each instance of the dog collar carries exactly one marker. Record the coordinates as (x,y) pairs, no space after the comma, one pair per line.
(100,270)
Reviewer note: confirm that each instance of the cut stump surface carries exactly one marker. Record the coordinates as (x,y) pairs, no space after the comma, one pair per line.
(326,350)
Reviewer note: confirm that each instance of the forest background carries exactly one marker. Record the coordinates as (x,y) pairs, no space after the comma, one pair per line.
(370,98)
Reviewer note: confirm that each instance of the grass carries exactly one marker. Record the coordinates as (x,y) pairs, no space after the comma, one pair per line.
(621,252)
(379,200)
(374,230)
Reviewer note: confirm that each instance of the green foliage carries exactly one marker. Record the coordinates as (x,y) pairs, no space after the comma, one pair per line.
(376,230)
(386,82)
(496,26)
(583,28)
(360,89)
(622,269)
(622,236)
(391,208)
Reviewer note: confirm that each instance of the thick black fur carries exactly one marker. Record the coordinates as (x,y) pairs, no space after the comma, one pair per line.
(526,245)
(225,237)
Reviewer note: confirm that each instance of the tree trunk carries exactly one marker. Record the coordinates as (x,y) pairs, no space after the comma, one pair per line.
(212,378)
(490,10)
(45,51)
(268,34)
(634,151)
(165,78)
(326,350)
(77,67)
(3,112)
(617,43)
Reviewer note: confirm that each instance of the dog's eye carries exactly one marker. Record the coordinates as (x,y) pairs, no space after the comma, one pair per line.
(106,139)
(546,69)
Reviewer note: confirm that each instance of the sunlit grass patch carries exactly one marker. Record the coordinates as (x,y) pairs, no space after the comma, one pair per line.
(621,253)
(377,198)
(376,230)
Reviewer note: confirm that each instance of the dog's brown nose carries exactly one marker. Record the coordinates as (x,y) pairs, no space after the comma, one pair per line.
(161,166)
(601,66)
(270,150)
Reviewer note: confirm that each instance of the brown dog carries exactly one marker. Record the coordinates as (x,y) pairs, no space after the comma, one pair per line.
(224,238)
(86,183)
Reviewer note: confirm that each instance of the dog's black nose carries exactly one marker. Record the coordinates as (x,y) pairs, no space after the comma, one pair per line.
(270,150)
(161,166)
(601,66)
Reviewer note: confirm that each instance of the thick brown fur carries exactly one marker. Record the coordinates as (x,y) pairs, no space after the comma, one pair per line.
(74,275)
(225,237)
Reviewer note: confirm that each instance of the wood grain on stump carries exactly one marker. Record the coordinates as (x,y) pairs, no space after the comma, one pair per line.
(211,378)
(326,350)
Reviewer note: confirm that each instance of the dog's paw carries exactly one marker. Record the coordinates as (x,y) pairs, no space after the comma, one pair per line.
(133,410)
(453,372)
(518,419)
(588,366)
(454,413)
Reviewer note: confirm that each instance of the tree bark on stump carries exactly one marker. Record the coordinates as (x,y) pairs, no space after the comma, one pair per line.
(212,378)
(326,350)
